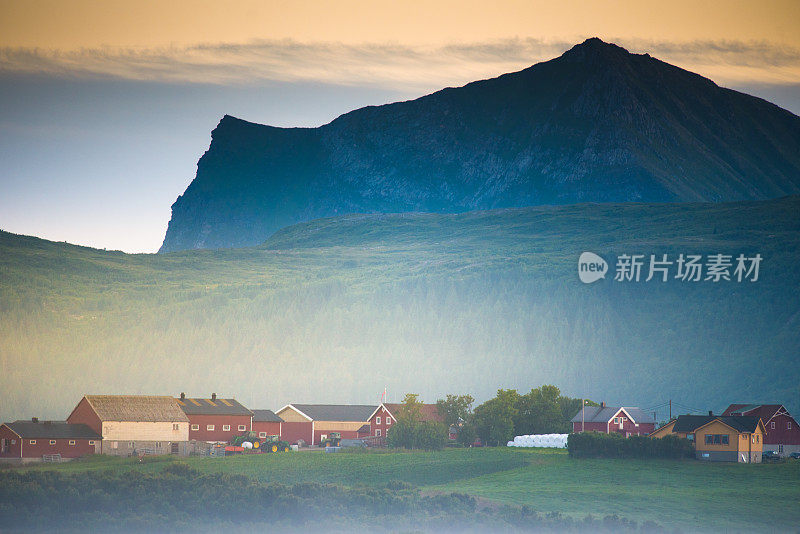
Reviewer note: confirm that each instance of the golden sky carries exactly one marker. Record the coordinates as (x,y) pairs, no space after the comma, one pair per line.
(74,24)
(411,44)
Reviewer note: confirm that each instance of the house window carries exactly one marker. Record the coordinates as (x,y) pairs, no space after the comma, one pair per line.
(33,442)
(158,444)
(91,442)
(378,420)
(130,445)
(195,427)
(209,428)
(780,448)
(788,425)
(378,432)
(388,421)
(114,444)
(72,442)
(226,428)
(262,435)
(52,442)
(725,439)
(242,428)
(175,426)
(772,425)
(616,420)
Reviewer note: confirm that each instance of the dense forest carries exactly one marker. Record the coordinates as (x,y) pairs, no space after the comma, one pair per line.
(337,309)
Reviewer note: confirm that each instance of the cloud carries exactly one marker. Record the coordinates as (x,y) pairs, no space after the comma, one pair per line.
(382,64)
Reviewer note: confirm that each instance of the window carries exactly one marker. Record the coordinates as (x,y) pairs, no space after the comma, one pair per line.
(772,425)
(52,442)
(388,421)
(130,445)
(195,427)
(33,442)
(114,444)
(242,428)
(616,420)
(175,426)
(780,448)
(158,444)
(377,432)
(209,428)
(717,439)
(378,420)
(262,435)
(226,428)
(72,442)
(91,442)
(788,425)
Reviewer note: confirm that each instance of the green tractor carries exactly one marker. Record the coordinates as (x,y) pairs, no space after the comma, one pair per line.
(274,443)
(334,439)
(248,441)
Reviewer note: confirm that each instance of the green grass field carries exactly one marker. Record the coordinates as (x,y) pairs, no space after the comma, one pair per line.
(688,495)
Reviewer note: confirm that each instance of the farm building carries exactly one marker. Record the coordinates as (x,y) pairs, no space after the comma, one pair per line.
(312,422)
(215,420)
(386,415)
(33,440)
(719,438)
(134,424)
(266,423)
(782,434)
(627,420)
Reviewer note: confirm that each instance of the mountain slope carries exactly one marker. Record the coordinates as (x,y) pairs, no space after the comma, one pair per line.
(596,124)
(334,310)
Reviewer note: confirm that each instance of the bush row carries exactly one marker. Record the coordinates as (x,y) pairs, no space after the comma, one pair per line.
(615,445)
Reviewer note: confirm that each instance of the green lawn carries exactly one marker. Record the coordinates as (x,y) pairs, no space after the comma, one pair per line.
(689,495)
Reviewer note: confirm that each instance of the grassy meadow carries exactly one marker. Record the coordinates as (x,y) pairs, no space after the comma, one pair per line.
(686,495)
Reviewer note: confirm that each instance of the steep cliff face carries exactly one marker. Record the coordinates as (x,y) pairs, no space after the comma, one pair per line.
(596,124)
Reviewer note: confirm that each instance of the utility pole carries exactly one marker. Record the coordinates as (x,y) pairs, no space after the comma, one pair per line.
(670,409)
(583,413)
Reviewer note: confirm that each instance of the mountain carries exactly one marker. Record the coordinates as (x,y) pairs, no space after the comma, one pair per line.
(596,124)
(336,309)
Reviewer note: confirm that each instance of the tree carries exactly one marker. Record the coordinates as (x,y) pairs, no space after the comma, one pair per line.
(411,432)
(539,412)
(455,410)
(494,419)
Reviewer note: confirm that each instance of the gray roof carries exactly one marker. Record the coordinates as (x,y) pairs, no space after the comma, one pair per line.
(265,416)
(602,414)
(212,407)
(690,423)
(337,412)
(136,408)
(52,430)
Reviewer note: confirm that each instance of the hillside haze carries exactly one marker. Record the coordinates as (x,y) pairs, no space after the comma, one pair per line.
(336,309)
(595,124)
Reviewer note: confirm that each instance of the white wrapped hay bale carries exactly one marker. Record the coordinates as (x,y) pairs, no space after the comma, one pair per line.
(540,441)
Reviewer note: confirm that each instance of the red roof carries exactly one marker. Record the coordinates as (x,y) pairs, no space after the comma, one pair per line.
(429,412)
(765,412)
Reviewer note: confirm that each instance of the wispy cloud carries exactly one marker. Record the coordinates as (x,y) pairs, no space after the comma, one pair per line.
(395,65)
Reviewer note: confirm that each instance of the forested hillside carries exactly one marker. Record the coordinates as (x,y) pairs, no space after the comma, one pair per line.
(335,310)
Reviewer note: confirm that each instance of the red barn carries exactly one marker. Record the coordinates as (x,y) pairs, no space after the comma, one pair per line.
(386,414)
(266,423)
(310,422)
(782,433)
(215,420)
(626,420)
(32,440)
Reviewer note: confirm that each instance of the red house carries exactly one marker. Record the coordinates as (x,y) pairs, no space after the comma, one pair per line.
(627,420)
(266,423)
(386,414)
(781,432)
(32,440)
(215,420)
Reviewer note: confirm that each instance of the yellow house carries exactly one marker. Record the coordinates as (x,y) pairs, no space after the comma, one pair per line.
(719,438)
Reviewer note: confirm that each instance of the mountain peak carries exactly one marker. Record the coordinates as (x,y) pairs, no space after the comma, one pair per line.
(598,124)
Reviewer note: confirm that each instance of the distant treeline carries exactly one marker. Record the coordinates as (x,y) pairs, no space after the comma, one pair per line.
(180,498)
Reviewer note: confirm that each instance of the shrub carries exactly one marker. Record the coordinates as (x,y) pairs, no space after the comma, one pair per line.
(614,445)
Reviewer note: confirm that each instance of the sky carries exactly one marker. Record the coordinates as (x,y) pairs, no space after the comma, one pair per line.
(105,107)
